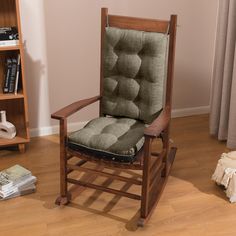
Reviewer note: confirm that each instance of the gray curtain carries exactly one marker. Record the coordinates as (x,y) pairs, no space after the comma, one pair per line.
(223,101)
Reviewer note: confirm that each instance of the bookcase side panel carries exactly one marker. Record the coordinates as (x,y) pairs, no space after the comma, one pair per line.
(14,103)
(22,67)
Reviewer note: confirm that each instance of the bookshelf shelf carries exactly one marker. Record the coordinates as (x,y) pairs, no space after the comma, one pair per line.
(9,48)
(16,140)
(10,96)
(16,106)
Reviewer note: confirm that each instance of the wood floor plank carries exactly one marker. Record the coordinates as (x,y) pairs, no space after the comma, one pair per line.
(191,203)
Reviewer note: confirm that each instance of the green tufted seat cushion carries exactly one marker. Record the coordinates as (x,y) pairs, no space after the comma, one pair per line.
(133,85)
(134,73)
(116,138)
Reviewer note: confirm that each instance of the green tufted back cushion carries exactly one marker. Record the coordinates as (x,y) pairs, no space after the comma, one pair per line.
(134,73)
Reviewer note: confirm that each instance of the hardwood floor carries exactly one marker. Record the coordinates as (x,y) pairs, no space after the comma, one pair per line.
(190,205)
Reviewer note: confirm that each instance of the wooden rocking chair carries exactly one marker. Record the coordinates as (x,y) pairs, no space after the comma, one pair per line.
(137,64)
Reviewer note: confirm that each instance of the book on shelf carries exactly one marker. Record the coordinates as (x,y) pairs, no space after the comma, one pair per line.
(8,43)
(12,75)
(7,75)
(17,75)
(9,36)
(16,181)
(8,33)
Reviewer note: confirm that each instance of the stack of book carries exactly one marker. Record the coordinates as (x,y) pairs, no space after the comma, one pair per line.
(12,74)
(16,181)
(8,36)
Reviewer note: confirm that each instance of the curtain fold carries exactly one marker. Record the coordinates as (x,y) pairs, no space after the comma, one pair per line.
(223,101)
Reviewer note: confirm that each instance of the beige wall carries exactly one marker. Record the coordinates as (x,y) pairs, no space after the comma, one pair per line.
(62,50)
(195,45)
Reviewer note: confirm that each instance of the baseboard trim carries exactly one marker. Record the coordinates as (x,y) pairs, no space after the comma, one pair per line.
(43,131)
(191,111)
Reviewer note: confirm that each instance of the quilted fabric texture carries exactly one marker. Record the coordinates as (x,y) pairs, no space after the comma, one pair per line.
(117,138)
(134,73)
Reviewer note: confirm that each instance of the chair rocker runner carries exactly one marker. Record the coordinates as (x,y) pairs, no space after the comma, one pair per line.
(137,63)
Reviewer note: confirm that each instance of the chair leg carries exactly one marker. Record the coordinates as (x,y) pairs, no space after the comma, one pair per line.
(151,195)
(65,196)
(145,183)
(170,153)
(166,138)
(170,160)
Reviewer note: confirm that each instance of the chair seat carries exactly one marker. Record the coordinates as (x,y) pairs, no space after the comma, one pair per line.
(117,139)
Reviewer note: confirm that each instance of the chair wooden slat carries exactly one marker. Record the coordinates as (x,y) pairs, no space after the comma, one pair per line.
(134,23)
(108,190)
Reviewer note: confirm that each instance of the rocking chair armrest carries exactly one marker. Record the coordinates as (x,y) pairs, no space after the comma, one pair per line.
(159,124)
(74,107)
